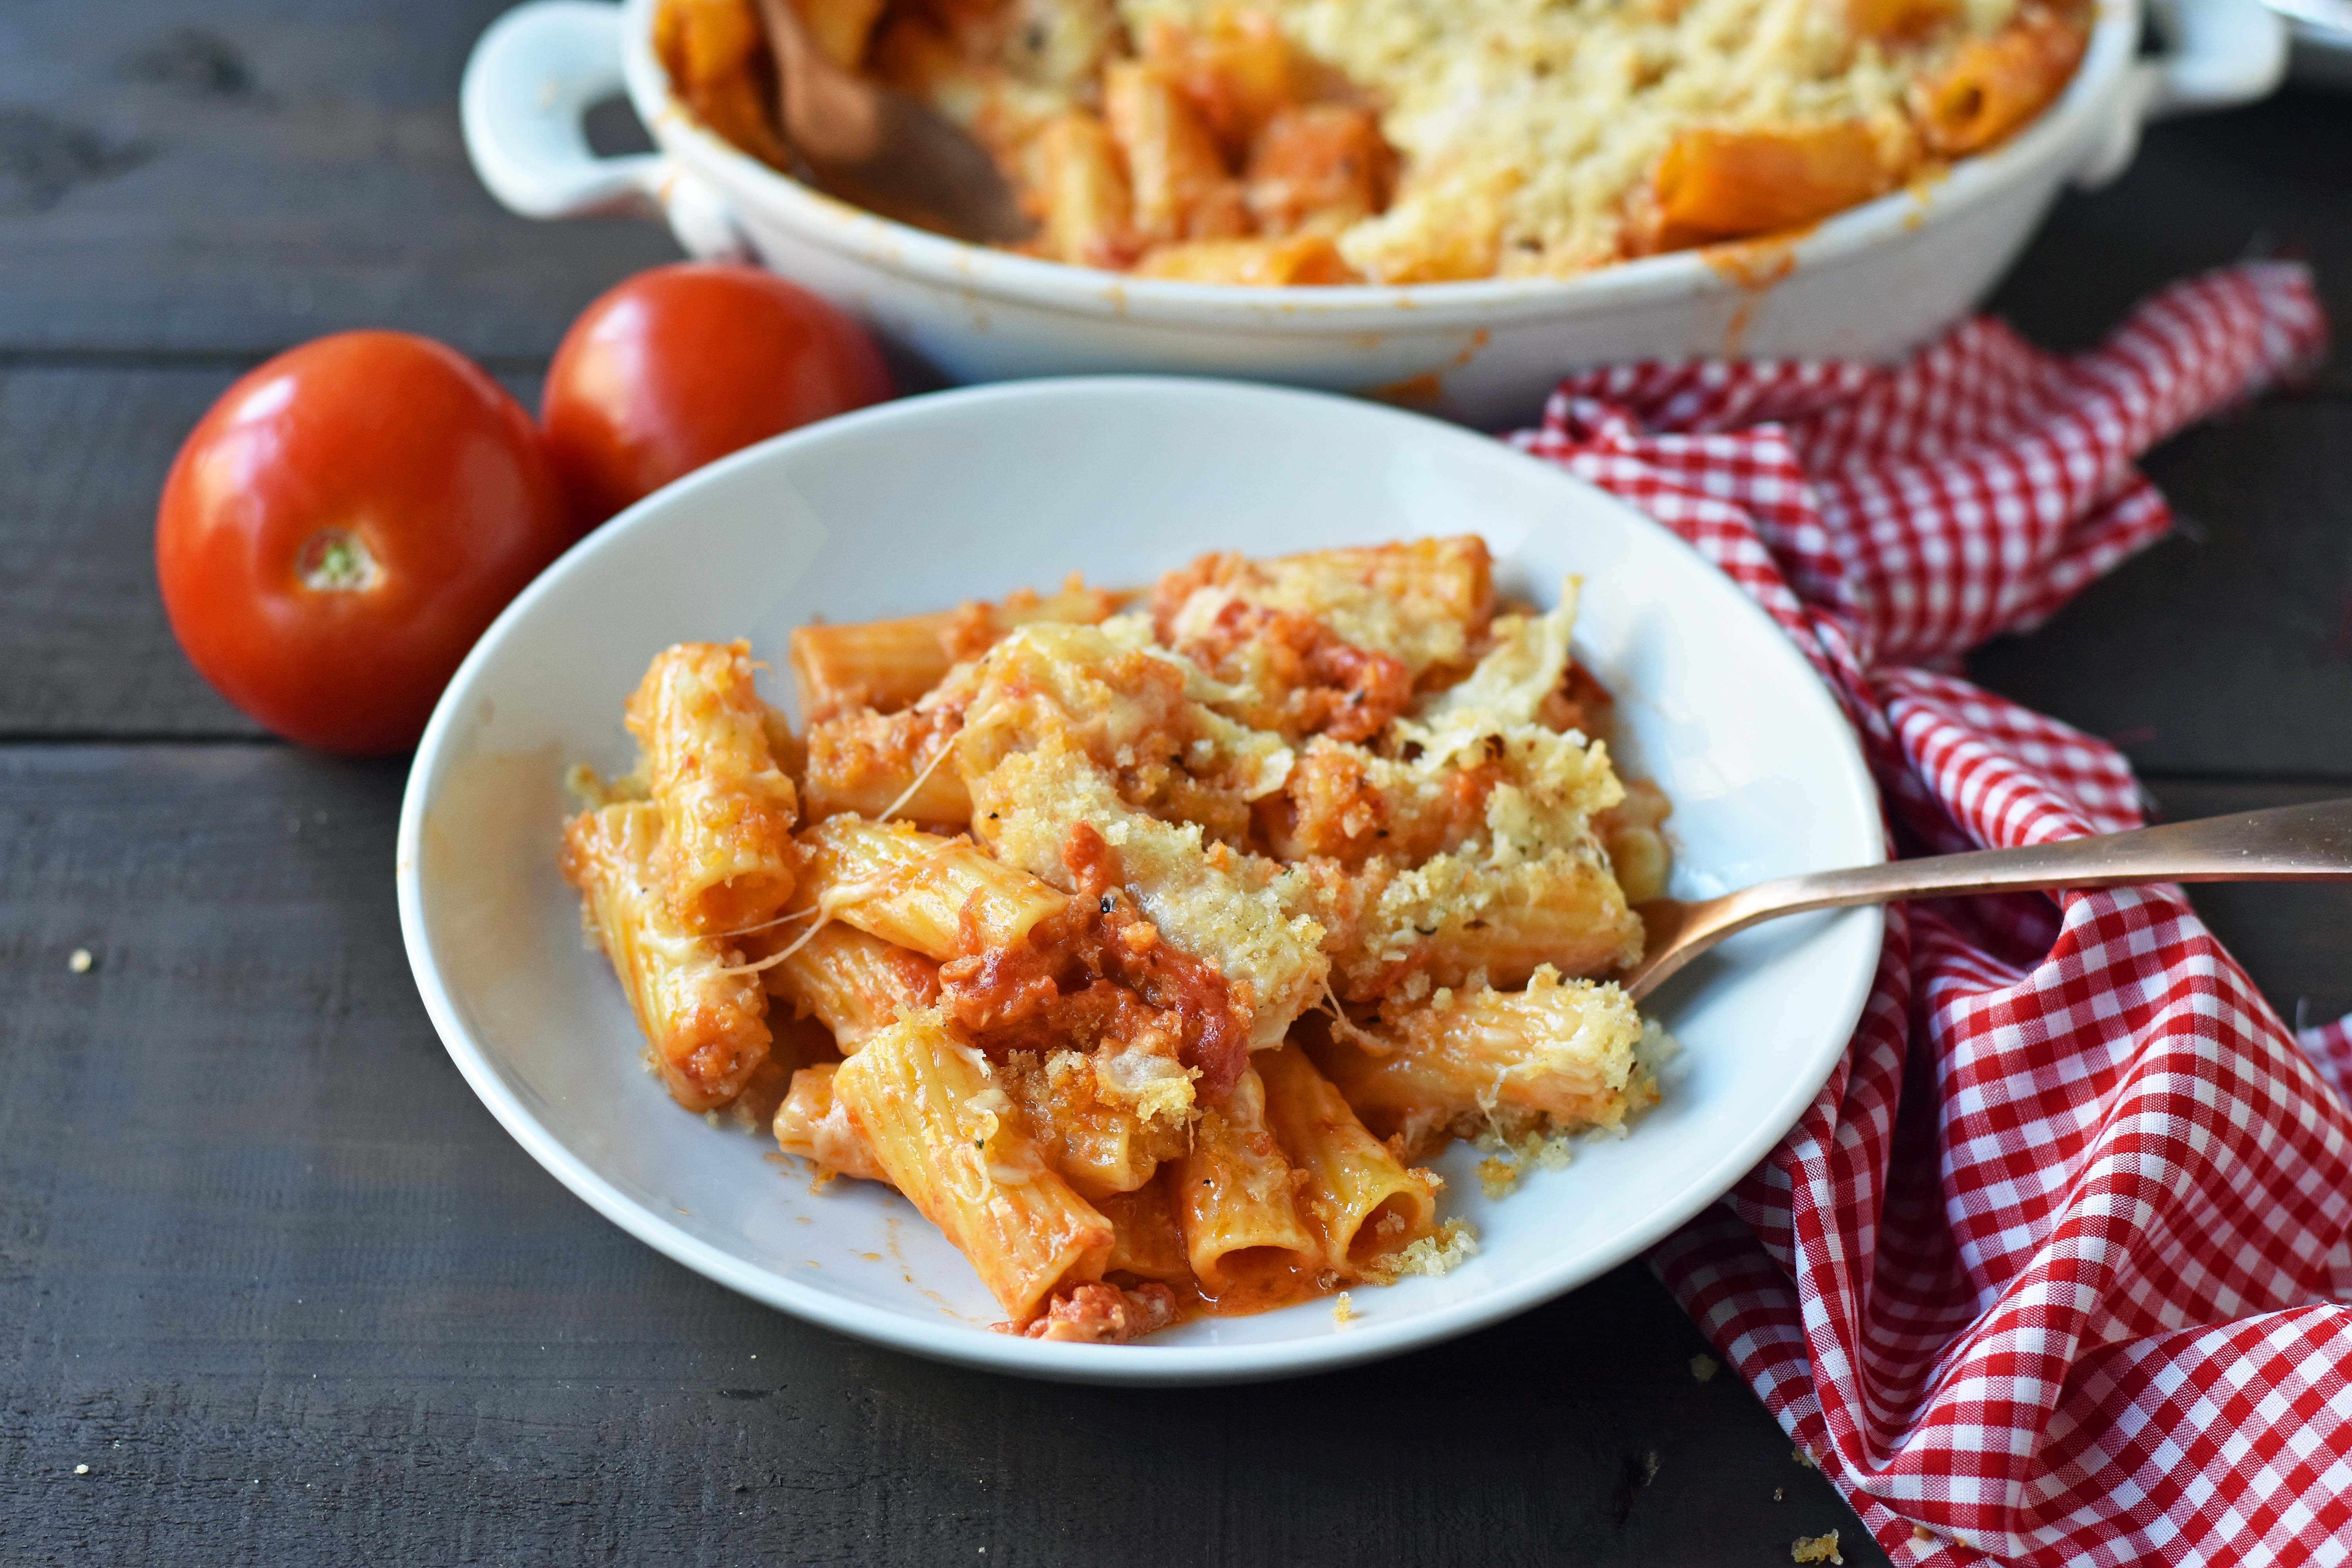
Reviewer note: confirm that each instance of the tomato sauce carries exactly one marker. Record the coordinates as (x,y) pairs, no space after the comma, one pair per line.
(1100,971)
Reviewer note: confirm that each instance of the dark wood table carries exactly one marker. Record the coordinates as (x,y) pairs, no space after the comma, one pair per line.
(273,1289)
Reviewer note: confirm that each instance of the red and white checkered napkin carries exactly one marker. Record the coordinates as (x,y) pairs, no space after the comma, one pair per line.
(2055,1268)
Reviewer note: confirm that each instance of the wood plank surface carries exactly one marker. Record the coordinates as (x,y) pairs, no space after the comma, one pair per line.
(230,176)
(82,457)
(2204,191)
(268,1269)
(2226,648)
(2295,941)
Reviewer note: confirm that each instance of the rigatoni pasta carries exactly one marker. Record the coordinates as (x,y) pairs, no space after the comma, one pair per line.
(1102,1143)
(940,896)
(885,666)
(1148,1244)
(1712,184)
(1360,1198)
(887,765)
(1320,142)
(702,1015)
(1156,946)
(1995,85)
(817,1126)
(1237,1204)
(944,1134)
(853,984)
(1560,1054)
(728,811)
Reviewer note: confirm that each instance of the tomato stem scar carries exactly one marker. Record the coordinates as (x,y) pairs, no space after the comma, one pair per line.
(334,562)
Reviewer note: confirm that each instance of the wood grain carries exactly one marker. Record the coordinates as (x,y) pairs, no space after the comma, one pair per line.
(269,1270)
(2225,649)
(2295,941)
(2204,191)
(230,176)
(82,456)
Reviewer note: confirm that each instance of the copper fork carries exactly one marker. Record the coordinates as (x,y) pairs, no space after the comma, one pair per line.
(2286,844)
(880,149)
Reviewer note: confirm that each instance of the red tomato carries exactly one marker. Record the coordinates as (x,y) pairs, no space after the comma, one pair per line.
(343,525)
(684,364)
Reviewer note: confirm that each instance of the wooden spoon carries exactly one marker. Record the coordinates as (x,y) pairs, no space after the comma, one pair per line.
(880,149)
(2286,844)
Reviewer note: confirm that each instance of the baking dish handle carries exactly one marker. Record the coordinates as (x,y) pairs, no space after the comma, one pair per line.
(2216,54)
(529,85)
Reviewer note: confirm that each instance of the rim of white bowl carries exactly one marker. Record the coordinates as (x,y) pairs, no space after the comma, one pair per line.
(964,1343)
(986,273)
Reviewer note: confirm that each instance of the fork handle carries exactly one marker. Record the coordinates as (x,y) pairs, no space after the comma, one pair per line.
(2285,844)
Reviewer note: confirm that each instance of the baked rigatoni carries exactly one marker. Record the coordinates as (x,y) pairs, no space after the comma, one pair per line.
(727,810)
(1236,1202)
(919,891)
(1363,1201)
(854,983)
(703,1016)
(944,1134)
(1557,1056)
(1266,892)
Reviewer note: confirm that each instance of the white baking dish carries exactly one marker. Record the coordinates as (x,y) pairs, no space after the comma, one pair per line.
(1867,284)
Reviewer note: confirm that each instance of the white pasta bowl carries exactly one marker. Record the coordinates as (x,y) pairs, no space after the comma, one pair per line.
(924,503)
(1868,283)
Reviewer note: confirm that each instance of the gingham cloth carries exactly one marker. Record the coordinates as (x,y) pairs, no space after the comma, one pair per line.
(2054,1270)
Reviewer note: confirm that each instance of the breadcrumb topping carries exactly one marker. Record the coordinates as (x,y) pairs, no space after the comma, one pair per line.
(1535,1150)
(1455,1244)
(1523,124)
(1815,1549)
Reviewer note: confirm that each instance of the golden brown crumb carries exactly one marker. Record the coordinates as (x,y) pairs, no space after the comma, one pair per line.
(1921,1533)
(1455,1243)
(1815,1549)
(1704,1367)
(1343,1311)
(1500,1175)
(1805,1458)
(80,960)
